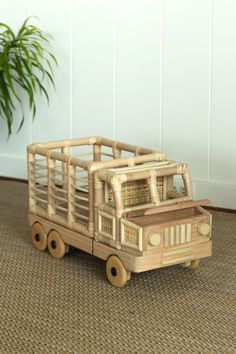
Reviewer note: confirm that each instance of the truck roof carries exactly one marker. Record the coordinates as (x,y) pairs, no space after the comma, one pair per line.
(142,167)
(144,170)
(101,153)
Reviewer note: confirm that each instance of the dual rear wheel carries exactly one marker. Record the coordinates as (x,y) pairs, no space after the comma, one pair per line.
(53,241)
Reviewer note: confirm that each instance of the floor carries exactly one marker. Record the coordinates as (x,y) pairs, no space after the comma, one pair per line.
(67,306)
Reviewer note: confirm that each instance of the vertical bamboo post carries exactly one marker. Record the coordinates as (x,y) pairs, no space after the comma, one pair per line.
(64,151)
(71,192)
(96,152)
(152,183)
(165,186)
(169,185)
(91,203)
(184,171)
(188,184)
(98,198)
(51,181)
(116,151)
(32,193)
(116,183)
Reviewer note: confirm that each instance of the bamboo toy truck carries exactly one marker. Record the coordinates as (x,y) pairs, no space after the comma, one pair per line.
(125,204)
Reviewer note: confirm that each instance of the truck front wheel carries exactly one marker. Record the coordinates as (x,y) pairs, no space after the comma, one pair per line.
(39,237)
(56,246)
(116,272)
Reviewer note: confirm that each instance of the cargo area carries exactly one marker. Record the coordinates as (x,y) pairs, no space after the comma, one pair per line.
(61,183)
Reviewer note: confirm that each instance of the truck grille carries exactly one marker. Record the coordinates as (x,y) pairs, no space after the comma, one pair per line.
(178,234)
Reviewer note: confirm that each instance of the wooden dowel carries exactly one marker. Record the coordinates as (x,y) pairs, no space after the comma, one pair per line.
(82,179)
(89,153)
(39,190)
(39,175)
(39,199)
(35,163)
(80,206)
(82,189)
(96,152)
(59,189)
(91,203)
(59,198)
(59,207)
(80,215)
(51,177)
(81,198)
(38,183)
(59,172)
(106,154)
(71,194)
(125,161)
(39,168)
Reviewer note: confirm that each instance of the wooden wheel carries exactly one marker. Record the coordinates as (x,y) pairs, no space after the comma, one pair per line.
(116,272)
(56,246)
(192,265)
(39,237)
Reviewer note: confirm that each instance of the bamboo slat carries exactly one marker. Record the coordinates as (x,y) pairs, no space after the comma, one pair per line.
(56,171)
(81,198)
(39,175)
(38,183)
(106,154)
(59,207)
(59,198)
(59,189)
(80,206)
(40,199)
(33,163)
(39,190)
(80,215)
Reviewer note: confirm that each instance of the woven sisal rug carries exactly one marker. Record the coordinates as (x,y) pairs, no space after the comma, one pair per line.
(67,306)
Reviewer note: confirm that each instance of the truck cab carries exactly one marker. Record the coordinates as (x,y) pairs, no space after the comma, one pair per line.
(148,214)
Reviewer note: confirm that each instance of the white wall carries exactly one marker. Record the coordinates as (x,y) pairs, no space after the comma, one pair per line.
(160,73)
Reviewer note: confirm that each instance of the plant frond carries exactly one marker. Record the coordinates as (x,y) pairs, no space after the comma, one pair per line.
(24,58)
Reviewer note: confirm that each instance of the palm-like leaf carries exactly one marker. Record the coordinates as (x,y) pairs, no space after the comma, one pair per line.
(25,61)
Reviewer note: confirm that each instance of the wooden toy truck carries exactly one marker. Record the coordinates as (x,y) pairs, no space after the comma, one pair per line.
(122,203)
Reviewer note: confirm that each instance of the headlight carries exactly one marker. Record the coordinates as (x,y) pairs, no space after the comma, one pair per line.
(154,239)
(204,229)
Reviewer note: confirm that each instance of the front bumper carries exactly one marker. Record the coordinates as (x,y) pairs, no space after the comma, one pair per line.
(154,259)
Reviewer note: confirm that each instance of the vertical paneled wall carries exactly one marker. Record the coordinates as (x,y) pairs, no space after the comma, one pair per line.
(160,73)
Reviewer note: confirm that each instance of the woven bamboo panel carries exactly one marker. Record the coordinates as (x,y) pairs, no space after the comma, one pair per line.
(106,225)
(131,235)
(133,193)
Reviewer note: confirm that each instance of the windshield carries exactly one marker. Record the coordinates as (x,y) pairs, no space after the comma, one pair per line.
(137,193)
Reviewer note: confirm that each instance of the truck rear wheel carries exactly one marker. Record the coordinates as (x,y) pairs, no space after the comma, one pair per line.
(116,272)
(39,237)
(56,246)
(192,265)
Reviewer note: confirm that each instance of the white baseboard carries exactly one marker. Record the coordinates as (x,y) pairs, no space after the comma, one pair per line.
(221,195)
(13,166)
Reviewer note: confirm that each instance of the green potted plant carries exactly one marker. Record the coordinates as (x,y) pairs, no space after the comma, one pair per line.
(25,62)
